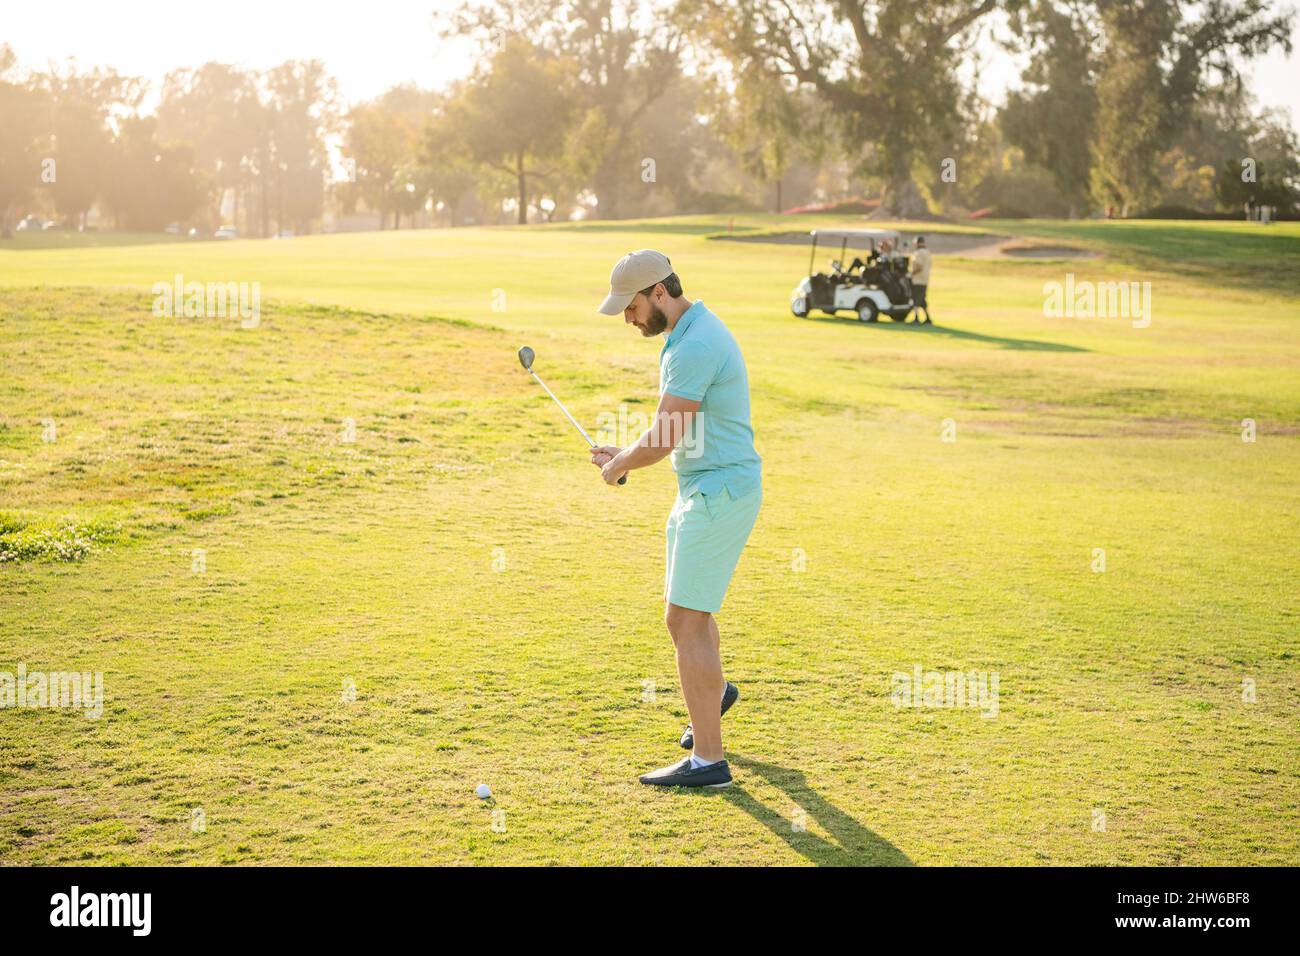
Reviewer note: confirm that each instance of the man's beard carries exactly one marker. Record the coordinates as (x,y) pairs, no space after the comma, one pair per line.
(656,323)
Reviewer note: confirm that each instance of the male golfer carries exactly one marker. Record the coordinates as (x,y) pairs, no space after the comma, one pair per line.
(704,396)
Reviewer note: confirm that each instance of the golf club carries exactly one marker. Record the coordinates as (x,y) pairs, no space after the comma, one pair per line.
(526,356)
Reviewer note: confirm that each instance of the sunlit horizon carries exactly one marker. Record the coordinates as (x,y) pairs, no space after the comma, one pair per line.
(368,48)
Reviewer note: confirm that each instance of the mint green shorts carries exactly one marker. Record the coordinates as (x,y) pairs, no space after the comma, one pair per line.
(706,534)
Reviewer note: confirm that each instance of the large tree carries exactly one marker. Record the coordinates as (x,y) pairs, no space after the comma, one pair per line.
(150,183)
(448,166)
(625,57)
(1051,117)
(1113,86)
(216,108)
(383,146)
(1160,56)
(1253,154)
(22,133)
(886,69)
(300,110)
(760,118)
(82,109)
(515,113)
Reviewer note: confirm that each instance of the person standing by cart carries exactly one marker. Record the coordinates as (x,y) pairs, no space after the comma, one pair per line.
(920,280)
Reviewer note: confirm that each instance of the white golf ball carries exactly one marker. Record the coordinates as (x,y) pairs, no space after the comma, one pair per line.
(483,791)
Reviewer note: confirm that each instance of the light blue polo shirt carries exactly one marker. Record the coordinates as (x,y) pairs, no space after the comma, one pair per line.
(701,361)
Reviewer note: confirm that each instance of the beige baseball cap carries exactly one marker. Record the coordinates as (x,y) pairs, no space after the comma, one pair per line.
(634,272)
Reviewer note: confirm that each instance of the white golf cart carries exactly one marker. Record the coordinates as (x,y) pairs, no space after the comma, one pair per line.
(876,285)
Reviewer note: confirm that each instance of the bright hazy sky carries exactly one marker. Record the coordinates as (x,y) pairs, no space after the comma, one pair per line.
(368,45)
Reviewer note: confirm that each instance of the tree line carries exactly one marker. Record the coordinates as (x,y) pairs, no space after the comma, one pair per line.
(76,138)
(613,108)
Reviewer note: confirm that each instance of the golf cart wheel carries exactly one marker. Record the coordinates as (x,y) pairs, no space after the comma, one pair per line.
(804,313)
(867,311)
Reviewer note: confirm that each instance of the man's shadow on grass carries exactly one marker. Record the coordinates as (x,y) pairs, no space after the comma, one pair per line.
(908,328)
(854,844)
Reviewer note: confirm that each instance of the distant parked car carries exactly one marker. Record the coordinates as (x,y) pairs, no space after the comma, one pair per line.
(197,233)
(30,222)
(174,229)
(226,232)
(53,224)
(284,234)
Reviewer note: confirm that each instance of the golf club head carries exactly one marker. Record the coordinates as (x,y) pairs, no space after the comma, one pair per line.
(526,357)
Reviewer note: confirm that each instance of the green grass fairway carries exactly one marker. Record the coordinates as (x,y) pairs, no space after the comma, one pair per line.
(498,609)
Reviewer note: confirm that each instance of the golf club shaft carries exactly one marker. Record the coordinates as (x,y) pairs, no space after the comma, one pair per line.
(576,425)
(591,444)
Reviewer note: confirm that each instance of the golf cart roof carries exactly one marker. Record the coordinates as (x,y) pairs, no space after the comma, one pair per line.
(854,237)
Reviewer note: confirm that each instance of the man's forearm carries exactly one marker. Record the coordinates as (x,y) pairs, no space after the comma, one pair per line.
(645,451)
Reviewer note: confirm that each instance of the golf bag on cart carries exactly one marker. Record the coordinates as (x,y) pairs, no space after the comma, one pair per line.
(894,281)
(895,286)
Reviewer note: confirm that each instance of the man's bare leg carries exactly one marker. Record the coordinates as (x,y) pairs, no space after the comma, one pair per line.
(699,668)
